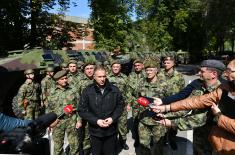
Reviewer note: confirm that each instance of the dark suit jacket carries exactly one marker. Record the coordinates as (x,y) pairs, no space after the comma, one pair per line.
(94,105)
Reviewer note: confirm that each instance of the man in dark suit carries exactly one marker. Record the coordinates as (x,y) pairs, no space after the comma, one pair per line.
(101,104)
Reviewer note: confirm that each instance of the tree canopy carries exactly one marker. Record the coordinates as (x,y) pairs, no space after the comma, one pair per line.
(197,26)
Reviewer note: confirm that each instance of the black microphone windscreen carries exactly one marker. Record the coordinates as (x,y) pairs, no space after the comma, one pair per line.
(43,121)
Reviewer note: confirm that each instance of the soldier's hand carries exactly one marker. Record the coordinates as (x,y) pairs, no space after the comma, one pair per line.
(54,124)
(128,108)
(165,122)
(78,124)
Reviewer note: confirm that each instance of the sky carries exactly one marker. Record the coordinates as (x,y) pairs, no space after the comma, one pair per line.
(81,10)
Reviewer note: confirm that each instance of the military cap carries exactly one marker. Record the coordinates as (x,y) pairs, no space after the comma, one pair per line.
(115,62)
(88,63)
(151,64)
(211,63)
(137,61)
(64,65)
(28,71)
(50,69)
(73,62)
(60,74)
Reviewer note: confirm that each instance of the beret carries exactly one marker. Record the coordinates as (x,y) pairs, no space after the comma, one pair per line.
(137,61)
(28,71)
(50,69)
(73,62)
(60,74)
(115,62)
(88,63)
(211,63)
(151,64)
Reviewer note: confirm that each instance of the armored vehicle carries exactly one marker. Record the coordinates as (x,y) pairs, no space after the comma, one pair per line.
(13,66)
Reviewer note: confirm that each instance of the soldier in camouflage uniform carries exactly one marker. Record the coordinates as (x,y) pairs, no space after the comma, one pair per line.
(60,96)
(74,76)
(148,128)
(120,80)
(198,119)
(29,96)
(133,82)
(176,80)
(88,68)
(173,77)
(47,83)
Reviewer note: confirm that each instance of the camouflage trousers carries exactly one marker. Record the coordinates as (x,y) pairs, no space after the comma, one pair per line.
(58,134)
(201,144)
(32,110)
(147,132)
(122,125)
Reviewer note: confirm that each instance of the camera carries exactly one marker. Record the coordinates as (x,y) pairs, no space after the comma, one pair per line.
(28,140)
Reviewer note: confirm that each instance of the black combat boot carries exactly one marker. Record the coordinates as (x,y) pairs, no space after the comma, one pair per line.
(124,145)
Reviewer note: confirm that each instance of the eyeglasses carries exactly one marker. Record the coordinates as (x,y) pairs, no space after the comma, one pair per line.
(229,70)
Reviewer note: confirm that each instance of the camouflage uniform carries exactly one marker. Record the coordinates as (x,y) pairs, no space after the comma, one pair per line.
(29,99)
(198,120)
(120,81)
(147,126)
(47,84)
(85,138)
(175,79)
(133,83)
(177,83)
(74,79)
(59,98)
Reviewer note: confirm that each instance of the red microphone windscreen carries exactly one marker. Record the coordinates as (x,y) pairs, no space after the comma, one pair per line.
(68,108)
(143,101)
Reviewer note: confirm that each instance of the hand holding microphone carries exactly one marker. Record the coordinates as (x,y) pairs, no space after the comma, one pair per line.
(150,103)
(68,110)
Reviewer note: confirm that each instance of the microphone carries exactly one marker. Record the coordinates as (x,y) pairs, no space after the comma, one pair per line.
(148,102)
(145,101)
(68,109)
(41,123)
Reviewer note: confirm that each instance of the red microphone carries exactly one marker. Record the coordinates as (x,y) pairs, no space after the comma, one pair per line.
(144,102)
(68,109)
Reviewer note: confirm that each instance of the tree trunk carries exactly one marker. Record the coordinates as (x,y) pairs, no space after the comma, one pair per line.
(34,15)
(232,41)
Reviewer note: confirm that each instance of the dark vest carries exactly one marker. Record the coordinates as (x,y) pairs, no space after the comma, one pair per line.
(227,105)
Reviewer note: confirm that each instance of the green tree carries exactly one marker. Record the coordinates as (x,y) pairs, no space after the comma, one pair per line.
(111,23)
